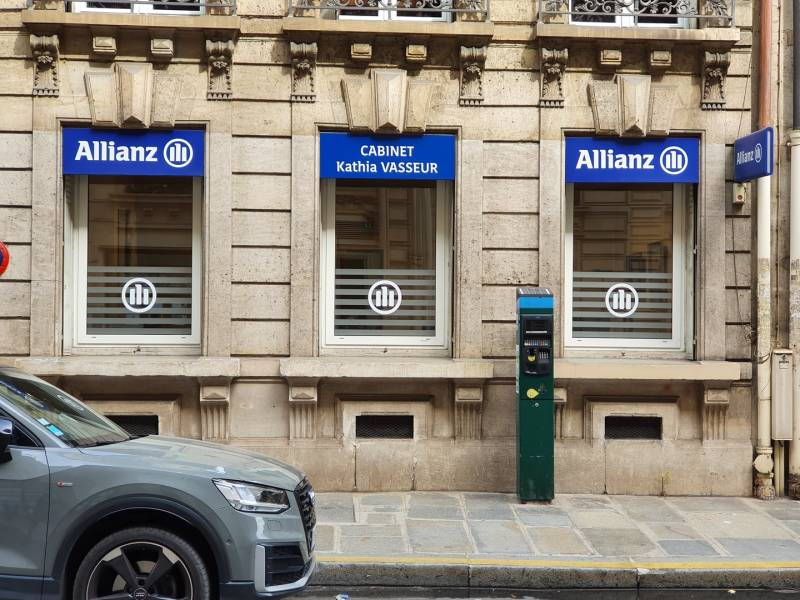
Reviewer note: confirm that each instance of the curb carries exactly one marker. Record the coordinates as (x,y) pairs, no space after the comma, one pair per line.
(434,574)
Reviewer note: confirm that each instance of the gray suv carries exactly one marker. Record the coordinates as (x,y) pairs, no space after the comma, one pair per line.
(88,512)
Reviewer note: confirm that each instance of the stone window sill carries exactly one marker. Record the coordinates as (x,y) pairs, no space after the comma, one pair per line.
(647,370)
(718,37)
(132,366)
(386,368)
(47,20)
(478,33)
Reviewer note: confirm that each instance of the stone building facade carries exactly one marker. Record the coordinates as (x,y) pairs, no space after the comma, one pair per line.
(257,342)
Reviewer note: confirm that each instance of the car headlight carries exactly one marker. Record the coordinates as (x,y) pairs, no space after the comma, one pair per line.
(249,497)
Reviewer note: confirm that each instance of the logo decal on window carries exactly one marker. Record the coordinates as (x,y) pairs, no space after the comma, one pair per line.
(384,297)
(622,300)
(139,295)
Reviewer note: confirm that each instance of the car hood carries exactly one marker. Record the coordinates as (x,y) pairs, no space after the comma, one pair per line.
(204,459)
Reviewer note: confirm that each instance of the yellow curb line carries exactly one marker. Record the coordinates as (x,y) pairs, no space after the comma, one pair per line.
(501,562)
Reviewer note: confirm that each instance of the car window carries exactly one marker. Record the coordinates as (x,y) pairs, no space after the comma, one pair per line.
(20,438)
(65,417)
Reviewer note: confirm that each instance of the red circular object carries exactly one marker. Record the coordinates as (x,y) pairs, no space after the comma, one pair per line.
(5,258)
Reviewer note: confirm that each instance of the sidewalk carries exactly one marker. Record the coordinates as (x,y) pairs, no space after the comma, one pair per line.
(579,541)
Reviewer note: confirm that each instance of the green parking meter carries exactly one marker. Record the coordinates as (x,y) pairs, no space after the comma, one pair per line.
(535,416)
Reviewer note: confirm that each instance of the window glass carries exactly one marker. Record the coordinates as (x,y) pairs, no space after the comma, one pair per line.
(385,259)
(419,9)
(139,256)
(622,279)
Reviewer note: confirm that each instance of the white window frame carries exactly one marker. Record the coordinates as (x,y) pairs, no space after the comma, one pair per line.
(392,15)
(79,241)
(682,281)
(628,20)
(444,228)
(137,9)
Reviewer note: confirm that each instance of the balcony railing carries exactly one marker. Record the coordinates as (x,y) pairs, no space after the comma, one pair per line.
(667,13)
(431,9)
(172,7)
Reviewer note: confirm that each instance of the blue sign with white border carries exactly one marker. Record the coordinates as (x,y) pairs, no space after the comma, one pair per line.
(752,155)
(113,152)
(427,157)
(615,160)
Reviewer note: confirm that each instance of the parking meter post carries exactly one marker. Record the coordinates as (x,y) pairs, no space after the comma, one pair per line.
(535,410)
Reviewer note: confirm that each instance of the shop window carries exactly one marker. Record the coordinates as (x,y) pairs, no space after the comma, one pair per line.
(644,13)
(174,7)
(386,263)
(628,281)
(136,260)
(424,10)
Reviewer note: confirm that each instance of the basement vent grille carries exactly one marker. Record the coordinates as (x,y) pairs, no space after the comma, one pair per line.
(633,428)
(397,427)
(136,425)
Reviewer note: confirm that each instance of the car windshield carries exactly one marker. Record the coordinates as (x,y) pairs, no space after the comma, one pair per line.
(62,415)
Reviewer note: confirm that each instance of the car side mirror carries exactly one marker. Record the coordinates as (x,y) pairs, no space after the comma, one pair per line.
(6,433)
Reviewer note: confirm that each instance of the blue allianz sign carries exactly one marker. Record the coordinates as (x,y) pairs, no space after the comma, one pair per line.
(345,156)
(114,152)
(752,155)
(615,160)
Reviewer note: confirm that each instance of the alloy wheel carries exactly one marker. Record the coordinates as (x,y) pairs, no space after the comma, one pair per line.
(140,571)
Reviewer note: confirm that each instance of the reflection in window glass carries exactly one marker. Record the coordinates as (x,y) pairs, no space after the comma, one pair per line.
(385,277)
(622,237)
(139,256)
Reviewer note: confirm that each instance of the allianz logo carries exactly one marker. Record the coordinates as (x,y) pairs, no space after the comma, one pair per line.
(672,160)
(176,153)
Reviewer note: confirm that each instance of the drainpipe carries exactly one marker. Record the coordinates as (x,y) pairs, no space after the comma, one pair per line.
(793,485)
(764,487)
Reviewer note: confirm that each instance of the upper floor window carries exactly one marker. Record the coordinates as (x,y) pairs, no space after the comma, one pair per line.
(426,10)
(642,13)
(174,7)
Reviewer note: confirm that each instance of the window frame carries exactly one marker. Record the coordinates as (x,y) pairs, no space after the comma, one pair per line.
(78,230)
(444,272)
(682,281)
(630,20)
(392,15)
(133,9)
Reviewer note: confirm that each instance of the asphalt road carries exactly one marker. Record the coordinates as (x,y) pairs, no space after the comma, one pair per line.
(361,593)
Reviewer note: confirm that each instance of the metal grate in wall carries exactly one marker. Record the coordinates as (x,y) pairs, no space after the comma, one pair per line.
(633,428)
(136,425)
(398,427)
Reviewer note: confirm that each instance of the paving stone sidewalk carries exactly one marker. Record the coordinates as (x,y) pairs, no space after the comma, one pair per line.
(444,526)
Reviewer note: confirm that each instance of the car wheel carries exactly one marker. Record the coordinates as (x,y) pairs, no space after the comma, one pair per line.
(142,563)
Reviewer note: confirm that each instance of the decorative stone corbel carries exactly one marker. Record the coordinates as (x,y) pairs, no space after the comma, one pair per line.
(220,61)
(45,70)
(162,46)
(468,410)
(104,43)
(715,72)
(659,58)
(416,54)
(609,58)
(559,403)
(715,409)
(304,71)
(473,59)
(554,63)
(361,52)
(303,394)
(215,399)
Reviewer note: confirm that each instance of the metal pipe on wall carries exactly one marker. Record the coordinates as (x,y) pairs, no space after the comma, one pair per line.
(793,484)
(764,481)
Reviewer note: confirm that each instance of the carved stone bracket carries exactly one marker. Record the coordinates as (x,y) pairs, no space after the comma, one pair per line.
(554,63)
(220,64)
(559,402)
(303,394)
(715,72)
(304,71)
(162,46)
(104,43)
(45,71)
(215,399)
(473,60)
(715,409)
(468,410)
(632,106)
(361,52)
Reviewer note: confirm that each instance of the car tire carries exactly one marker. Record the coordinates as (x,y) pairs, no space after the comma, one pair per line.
(141,562)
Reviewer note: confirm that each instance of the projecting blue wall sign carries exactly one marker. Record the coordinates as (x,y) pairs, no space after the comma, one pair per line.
(752,155)
(114,152)
(615,160)
(345,156)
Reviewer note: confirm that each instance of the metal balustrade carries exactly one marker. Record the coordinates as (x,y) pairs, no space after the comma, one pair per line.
(670,13)
(430,9)
(172,7)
